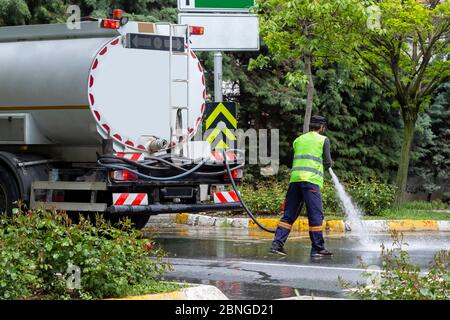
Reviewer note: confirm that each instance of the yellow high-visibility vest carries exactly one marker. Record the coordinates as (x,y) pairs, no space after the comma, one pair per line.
(308,159)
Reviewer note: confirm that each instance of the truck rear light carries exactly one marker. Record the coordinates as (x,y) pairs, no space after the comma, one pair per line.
(110,24)
(196,30)
(123,175)
(117,14)
(236,174)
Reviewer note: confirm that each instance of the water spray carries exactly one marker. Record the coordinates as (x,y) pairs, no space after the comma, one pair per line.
(352,211)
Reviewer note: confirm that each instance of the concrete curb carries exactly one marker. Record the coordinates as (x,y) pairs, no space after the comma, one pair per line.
(301,225)
(196,292)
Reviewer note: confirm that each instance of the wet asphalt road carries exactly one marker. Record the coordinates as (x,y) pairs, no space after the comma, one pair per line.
(238,263)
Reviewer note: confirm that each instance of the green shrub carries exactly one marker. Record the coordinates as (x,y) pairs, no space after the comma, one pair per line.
(265,197)
(329,200)
(371,196)
(399,279)
(425,205)
(36,249)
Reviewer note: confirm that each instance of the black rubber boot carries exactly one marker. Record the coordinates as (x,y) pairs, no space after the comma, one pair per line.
(322,253)
(278,250)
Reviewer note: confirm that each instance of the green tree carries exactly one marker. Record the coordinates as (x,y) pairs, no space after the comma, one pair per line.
(407,56)
(19,12)
(364,131)
(307,31)
(431,153)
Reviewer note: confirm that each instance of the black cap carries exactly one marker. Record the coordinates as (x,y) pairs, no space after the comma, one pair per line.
(318,120)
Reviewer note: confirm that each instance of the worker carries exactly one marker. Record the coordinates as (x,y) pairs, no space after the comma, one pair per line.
(311,157)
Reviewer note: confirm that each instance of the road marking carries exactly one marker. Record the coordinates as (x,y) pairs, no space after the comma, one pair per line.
(272,264)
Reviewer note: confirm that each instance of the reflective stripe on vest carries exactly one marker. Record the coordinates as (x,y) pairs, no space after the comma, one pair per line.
(308,159)
(315,171)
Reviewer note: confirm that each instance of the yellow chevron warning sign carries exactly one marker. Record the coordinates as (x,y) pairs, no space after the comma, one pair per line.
(221,119)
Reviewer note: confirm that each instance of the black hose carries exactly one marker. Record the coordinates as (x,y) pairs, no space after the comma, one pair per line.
(144,176)
(249,213)
(109,161)
(186,172)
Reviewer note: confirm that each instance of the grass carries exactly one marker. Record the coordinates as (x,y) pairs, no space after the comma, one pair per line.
(402,214)
(412,210)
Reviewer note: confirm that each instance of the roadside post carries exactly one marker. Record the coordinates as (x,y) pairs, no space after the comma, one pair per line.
(228,26)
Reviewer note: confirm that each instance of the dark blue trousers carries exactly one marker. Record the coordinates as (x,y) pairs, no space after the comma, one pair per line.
(298,194)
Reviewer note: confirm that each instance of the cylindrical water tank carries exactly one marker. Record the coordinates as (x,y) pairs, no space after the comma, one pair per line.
(77,88)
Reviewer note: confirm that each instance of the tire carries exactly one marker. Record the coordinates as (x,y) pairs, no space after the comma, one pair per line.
(139,221)
(9,191)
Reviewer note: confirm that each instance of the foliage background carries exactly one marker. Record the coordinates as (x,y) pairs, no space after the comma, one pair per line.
(365,132)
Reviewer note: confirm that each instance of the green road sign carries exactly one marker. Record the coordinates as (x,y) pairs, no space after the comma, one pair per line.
(215,5)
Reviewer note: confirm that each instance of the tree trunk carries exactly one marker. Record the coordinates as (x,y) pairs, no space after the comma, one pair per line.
(310,93)
(409,119)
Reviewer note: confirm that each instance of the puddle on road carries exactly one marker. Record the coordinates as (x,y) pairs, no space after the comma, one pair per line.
(250,291)
(233,243)
(427,241)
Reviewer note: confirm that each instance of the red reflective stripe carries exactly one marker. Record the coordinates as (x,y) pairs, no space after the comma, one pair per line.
(136,156)
(221,197)
(121,155)
(231,155)
(97,115)
(217,155)
(121,200)
(234,196)
(106,127)
(138,199)
(312,190)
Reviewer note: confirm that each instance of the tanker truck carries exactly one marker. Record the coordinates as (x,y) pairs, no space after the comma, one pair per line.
(102,119)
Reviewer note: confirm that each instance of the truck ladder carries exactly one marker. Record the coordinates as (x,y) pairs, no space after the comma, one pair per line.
(180,133)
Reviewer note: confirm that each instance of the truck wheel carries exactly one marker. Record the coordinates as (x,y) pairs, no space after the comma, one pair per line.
(139,221)
(9,191)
